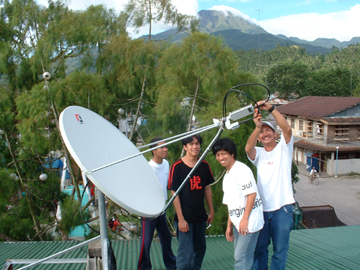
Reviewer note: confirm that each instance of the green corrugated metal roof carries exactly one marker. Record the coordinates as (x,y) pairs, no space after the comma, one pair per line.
(326,248)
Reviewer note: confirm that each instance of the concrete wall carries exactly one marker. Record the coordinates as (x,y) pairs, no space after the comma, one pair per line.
(344,166)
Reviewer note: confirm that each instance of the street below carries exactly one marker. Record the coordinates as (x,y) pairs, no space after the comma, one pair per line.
(342,193)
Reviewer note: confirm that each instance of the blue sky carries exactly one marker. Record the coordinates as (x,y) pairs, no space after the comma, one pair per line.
(305,19)
(271,9)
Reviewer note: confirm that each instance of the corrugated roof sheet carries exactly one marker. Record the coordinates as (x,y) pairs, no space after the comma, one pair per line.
(342,120)
(326,248)
(318,107)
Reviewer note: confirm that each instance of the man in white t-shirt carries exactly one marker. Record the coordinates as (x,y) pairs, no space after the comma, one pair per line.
(273,162)
(245,218)
(148,226)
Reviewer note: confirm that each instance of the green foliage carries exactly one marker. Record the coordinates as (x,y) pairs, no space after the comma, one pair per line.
(7,189)
(16,222)
(294,175)
(339,70)
(200,64)
(70,214)
(288,79)
(329,82)
(146,13)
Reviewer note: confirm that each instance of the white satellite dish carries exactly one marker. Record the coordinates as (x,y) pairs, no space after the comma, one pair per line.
(93,142)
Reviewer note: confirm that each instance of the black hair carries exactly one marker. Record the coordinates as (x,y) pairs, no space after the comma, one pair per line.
(225,144)
(191,138)
(154,144)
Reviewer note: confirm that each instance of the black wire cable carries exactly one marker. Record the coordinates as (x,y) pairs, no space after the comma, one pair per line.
(232,89)
(85,221)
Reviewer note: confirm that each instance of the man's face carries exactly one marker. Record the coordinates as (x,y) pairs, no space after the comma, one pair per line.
(267,135)
(224,158)
(193,148)
(161,152)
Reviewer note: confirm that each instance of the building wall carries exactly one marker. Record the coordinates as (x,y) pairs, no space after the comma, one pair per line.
(344,166)
(331,134)
(354,133)
(298,155)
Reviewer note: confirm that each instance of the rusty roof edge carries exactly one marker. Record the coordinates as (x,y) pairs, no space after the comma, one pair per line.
(344,109)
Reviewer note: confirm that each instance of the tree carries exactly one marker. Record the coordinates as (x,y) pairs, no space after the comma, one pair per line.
(329,82)
(288,79)
(39,39)
(148,12)
(190,75)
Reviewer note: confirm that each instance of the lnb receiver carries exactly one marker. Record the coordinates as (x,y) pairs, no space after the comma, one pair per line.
(242,112)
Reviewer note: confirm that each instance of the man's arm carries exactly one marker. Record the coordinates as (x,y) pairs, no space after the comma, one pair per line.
(251,142)
(243,227)
(183,225)
(229,231)
(208,198)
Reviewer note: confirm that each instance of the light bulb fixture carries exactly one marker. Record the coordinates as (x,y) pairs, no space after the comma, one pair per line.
(43,176)
(121,111)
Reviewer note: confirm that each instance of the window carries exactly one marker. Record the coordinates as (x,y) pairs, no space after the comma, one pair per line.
(319,131)
(341,133)
(292,123)
(301,125)
(309,128)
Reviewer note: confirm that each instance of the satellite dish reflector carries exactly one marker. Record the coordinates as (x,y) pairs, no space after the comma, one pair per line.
(94,142)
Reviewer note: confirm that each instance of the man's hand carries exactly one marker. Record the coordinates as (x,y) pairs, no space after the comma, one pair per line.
(210,218)
(264,105)
(229,234)
(257,119)
(243,226)
(183,226)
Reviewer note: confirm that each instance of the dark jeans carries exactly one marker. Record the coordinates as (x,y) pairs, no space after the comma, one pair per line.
(147,235)
(192,246)
(277,227)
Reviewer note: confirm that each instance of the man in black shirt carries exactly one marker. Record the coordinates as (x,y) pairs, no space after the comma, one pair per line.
(191,216)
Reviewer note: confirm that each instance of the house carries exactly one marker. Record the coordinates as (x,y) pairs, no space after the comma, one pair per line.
(326,132)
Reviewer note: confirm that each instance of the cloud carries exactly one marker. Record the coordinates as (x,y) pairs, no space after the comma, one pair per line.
(342,25)
(189,7)
(234,11)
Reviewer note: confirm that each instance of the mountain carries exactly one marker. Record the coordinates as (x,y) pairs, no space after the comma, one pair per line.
(237,40)
(325,42)
(214,21)
(240,33)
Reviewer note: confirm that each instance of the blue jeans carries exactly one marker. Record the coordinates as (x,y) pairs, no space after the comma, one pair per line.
(244,249)
(147,237)
(277,227)
(192,246)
